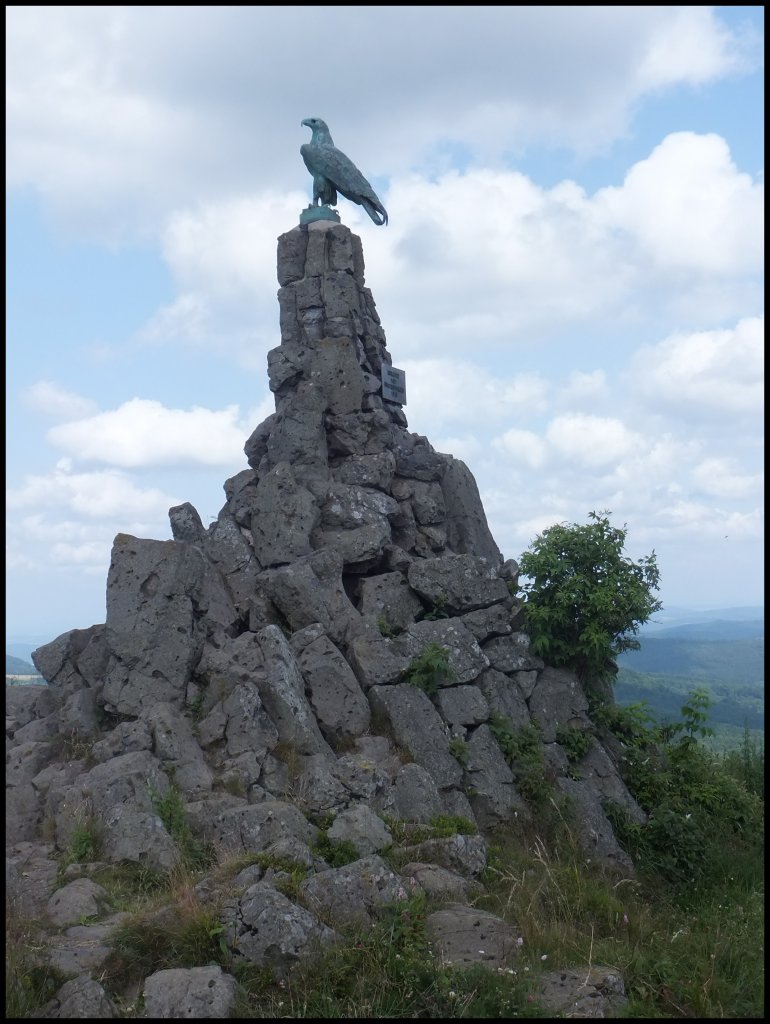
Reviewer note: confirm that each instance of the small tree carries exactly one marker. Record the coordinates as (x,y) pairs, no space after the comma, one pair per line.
(585,600)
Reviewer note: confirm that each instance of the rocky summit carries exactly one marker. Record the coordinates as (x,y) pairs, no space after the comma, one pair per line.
(339,653)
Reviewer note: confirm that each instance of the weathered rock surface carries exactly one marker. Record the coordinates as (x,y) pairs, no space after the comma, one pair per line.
(265,927)
(189,992)
(591,991)
(253,676)
(463,936)
(353,894)
(81,997)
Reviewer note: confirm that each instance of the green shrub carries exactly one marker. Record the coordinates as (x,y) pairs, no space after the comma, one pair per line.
(459,750)
(336,852)
(585,599)
(575,742)
(385,627)
(438,611)
(430,669)
(695,808)
(188,935)
(171,811)
(523,750)
(445,825)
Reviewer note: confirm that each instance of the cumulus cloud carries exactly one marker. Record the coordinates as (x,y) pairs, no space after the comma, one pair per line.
(511,267)
(687,207)
(522,446)
(596,442)
(692,46)
(441,391)
(142,432)
(92,91)
(50,398)
(710,521)
(721,478)
(711,372)
(226,247)
(104,494)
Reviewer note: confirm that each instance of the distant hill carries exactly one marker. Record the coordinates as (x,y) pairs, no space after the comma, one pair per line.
(669,618)
(723,655)
(17,667)
(716,629)
(666,694)
(23,647)
(738,662)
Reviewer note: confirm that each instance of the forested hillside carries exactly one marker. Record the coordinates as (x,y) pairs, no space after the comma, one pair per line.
(723,657)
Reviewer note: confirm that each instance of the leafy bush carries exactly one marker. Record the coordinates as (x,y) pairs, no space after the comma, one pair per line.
(586,599)
(748,765)
(429,669)
(696,809)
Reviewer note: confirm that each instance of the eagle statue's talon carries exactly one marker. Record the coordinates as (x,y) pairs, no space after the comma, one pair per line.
(333,172)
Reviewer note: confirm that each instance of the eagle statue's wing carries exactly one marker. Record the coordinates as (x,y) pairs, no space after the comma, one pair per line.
(341,173)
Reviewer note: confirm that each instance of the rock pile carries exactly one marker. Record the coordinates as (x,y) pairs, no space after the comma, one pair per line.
(341,644)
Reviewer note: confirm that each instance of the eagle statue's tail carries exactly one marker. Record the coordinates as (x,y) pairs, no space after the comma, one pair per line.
(376,210)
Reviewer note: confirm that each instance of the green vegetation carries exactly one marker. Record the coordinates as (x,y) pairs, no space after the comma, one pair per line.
(430,669)
(697,810)
(336,852)
(459,750)
(523,750)
(737,663)
(171,811)
(438,611)
(575,742)
(386,971)
(665,693)
(385,627)
(586,600)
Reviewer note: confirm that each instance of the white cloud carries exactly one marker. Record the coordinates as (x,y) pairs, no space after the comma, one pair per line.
(92,556)
(596,442)
(441,391)
(142,432)
(709,521)
(583,387)
(225,247)
(103,494)
(718,477)
(513,264)
(215,95)
(464,448)
(692,47)
(50,398)
(522,446)
(687,207)
(720,371)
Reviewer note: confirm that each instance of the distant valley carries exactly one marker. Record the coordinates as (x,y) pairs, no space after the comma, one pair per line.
(716,651)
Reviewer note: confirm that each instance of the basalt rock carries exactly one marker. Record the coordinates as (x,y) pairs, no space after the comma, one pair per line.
(269,680)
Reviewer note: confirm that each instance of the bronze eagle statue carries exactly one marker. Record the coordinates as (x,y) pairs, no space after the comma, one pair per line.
(334,172)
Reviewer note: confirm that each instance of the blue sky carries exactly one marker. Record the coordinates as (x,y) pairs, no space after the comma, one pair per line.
(572,275)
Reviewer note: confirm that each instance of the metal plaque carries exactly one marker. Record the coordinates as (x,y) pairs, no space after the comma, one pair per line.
(393,385)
